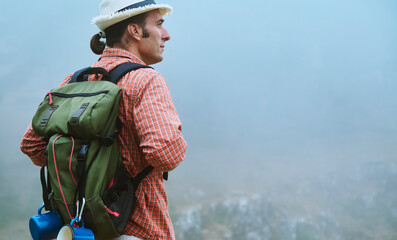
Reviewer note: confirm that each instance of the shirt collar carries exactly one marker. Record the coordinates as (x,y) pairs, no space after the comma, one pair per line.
(117,53)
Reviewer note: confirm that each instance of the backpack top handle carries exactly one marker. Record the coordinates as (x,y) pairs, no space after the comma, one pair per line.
(114,75)
(82,75)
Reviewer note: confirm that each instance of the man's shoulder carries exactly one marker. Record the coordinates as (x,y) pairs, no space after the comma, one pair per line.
(141,78)
(149,71)
(144,75)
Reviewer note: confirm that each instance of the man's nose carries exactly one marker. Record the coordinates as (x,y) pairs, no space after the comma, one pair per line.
(166,35)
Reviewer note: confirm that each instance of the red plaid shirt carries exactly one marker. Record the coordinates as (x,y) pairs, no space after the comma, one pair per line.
(151,134)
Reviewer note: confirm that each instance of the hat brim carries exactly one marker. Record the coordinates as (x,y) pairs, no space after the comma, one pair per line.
(108,20)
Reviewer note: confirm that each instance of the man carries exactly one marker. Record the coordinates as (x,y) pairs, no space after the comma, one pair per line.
(151,133)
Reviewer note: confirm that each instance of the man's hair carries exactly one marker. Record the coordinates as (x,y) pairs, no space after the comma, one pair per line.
(115,33)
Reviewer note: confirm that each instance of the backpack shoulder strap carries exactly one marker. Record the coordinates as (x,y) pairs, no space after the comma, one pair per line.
(123,69)
(138,178)
(77,73)
(115,74)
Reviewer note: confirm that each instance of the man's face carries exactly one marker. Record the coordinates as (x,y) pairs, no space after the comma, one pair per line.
(151,48)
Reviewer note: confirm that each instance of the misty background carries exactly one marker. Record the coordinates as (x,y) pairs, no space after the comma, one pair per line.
(289,109)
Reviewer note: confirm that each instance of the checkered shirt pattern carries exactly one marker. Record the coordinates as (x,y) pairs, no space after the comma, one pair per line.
(151,135)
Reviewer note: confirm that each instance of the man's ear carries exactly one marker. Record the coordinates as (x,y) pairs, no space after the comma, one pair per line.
(135,31)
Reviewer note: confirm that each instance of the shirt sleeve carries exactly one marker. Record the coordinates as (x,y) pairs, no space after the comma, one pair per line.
(158,126)
(34,146)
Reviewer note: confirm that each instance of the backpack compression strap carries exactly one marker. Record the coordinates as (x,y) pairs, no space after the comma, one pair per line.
(46,188)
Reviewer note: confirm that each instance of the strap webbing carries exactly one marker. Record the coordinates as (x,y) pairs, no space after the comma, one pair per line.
(46,188)
(81,172)
(138,178)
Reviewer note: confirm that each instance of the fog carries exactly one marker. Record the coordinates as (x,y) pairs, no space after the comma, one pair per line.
(289,109)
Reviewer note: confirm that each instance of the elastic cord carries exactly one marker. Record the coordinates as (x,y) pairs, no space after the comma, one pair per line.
(59,181)
(70,161)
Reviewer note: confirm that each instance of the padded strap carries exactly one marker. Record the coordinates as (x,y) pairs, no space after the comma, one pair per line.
(115,75)
(123,69)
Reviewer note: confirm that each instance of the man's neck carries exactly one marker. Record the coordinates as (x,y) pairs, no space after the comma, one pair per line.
(129,49)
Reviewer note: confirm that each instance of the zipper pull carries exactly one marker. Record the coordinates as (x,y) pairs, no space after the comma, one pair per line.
(49,95)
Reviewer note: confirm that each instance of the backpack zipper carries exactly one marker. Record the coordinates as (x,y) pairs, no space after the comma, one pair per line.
(64,95)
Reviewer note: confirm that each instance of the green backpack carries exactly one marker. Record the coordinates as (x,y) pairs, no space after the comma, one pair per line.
(86,178)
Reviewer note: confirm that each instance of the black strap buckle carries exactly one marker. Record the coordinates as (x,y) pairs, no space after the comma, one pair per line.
(82,154)
(107,141)
(165,176)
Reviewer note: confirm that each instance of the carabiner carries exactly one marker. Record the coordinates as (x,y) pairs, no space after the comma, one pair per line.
(82,209)
(77,209)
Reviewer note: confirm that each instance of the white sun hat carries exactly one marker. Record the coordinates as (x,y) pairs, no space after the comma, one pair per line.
(114,11)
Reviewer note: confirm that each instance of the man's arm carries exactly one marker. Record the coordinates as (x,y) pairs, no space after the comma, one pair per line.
(158,125)
(34,146)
